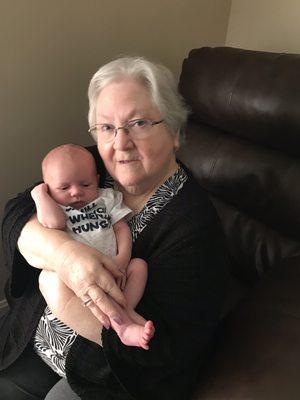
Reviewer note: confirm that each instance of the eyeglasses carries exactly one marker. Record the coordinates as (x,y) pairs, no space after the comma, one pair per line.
(135,129)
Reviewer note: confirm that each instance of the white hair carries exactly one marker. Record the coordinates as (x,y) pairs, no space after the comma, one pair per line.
(157,78)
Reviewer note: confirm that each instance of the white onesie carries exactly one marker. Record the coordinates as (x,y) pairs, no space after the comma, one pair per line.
(93,224)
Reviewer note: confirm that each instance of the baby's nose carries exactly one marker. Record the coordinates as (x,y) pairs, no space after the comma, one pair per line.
(76,191)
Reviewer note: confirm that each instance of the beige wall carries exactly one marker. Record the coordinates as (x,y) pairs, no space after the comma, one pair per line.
(268,25)
(49,49)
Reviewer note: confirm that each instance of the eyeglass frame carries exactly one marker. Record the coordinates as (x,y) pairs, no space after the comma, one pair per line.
(125,127)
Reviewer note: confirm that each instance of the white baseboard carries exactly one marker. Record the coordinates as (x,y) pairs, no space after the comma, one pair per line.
(3,303)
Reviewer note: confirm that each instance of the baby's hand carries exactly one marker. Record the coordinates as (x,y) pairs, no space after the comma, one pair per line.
(121,262)
(121,282)
(39,190)
(49,213)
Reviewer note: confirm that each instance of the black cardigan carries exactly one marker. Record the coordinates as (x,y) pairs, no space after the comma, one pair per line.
(184,249)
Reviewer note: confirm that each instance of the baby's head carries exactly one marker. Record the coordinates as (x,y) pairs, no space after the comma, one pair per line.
(70,172)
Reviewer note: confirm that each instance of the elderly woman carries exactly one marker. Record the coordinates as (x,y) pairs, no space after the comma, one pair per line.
(136,117)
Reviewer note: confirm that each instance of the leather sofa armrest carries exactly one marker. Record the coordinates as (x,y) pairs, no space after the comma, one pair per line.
(258,354)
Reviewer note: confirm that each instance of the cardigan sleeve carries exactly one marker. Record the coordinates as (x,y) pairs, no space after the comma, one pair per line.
(183,296)
(16,213)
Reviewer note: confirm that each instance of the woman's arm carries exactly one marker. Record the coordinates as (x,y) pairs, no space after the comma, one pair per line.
(83,269)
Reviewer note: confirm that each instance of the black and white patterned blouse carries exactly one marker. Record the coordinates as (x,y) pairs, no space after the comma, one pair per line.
(53,339)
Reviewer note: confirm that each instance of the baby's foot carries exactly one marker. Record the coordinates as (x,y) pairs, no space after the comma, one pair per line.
(133,334)
(146,334)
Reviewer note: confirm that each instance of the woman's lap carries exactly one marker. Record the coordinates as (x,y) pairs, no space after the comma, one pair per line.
(28,378)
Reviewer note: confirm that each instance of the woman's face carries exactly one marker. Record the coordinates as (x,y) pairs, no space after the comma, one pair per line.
(139,165)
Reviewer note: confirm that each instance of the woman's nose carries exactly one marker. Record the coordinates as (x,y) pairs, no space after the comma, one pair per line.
(122,140)
(75,191)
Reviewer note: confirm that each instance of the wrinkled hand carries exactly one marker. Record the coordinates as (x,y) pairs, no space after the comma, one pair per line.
(90,274)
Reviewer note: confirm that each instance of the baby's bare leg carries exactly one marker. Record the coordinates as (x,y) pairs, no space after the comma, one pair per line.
(132,333)
(54,291)
(67,307)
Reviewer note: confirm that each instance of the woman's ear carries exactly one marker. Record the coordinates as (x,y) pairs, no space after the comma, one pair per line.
(176,142)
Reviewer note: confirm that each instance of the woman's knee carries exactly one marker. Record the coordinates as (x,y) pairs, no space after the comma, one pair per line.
(137,271)
(137,266)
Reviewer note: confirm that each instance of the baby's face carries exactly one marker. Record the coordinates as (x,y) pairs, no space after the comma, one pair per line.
(72,183)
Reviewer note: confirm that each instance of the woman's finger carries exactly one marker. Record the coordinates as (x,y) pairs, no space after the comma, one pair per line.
(104,305)
(104,320)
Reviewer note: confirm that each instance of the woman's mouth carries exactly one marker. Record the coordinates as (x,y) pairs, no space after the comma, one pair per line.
(126,161)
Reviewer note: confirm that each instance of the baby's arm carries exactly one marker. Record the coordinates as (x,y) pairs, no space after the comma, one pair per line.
(49,213)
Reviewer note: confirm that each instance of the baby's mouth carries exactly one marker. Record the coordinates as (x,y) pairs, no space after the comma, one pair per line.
(78,204)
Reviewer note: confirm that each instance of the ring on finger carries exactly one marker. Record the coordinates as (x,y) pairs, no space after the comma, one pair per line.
(87,302)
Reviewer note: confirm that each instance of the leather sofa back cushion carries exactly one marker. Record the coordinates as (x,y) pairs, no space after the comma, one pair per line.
(243,145)
(252,94)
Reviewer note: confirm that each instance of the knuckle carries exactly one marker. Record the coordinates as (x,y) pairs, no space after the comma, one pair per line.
(110,286)
(86,289)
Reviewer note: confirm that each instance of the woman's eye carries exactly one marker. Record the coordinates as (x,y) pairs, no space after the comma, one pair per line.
(64,188)
(106,128)
(139,123)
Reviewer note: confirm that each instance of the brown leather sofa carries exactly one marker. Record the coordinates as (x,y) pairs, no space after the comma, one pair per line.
(243,145)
